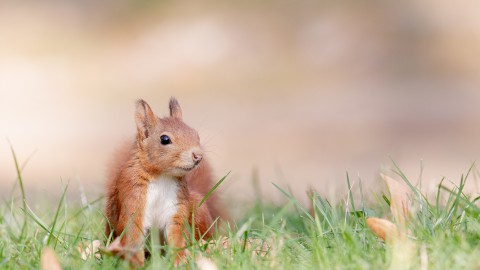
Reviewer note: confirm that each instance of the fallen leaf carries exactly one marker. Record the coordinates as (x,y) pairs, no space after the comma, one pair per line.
(400,199)
(114,248)
(134,256)
(49,260)
(423,257)
(259,247)
(86,250)
(404,252)
(402,249)
(384,229)
(206,264)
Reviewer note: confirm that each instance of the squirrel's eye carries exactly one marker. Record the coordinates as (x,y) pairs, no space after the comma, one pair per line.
(164,139)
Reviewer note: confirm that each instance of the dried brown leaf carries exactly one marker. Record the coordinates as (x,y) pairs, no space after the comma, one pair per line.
(402,248)
(258,247)
(115,247)
(206,264)
(87,250)
(49,260)
(400,199)
(404,253)
(384,229)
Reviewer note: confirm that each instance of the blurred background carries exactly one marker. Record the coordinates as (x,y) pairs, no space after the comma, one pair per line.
(291,92)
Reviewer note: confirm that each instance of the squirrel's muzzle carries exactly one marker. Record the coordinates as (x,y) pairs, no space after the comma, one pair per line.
(197,157)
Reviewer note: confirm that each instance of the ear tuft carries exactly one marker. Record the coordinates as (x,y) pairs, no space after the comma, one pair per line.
(175,110)
(145,119)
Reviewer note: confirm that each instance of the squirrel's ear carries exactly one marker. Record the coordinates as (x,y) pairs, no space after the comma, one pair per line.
(145,119)
(175,110)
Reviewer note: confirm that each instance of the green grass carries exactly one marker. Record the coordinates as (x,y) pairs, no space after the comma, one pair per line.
(444,232)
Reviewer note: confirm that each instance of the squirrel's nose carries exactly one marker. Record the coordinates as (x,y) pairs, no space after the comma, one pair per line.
(197,157)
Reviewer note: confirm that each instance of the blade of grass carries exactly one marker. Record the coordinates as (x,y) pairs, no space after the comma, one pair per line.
(437,199)
(210,227)
(81,211)
(22,190)
(350,195)
(455,203)
(399,172)
(245,239)
(40,222)
(295,202)
(56,214)
(323,211)
(352,202)
(213,189)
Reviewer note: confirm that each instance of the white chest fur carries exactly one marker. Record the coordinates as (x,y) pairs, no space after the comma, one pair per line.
(161,203)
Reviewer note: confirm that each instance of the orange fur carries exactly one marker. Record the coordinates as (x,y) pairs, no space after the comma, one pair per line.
(138,164)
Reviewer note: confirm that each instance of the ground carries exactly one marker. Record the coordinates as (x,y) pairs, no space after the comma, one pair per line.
(442,233)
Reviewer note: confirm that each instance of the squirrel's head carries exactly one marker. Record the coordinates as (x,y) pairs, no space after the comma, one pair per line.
(166,145)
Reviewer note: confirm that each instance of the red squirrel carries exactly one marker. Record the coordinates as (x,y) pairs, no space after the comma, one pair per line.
(157,182)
